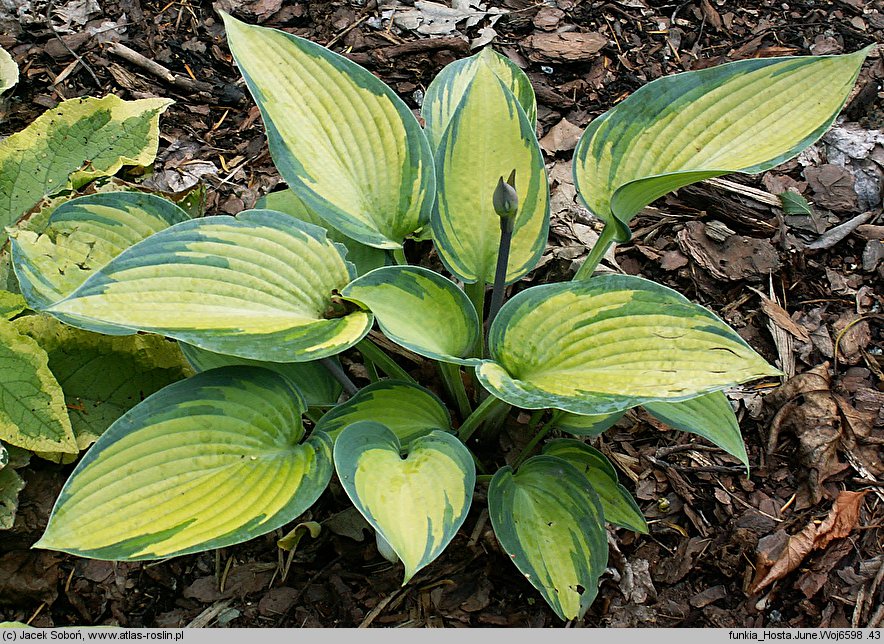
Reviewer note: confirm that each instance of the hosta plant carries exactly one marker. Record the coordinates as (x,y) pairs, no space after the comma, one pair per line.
(263,303)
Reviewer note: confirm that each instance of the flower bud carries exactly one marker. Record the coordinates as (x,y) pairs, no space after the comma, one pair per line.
(506,199)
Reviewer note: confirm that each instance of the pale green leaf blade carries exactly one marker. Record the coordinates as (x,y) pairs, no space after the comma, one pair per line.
(448,87)
(420,310)
(32,408)
(745,116)
(10,485)
(618,505)
(342,140)
(8,71)
(488,137)
(418,503)
(549,520)
(257,286)
(312,379)
(587,425)
(14,625)
(406,409)
(82,236)
(710,416)
(11,304)
(365,258)
(624,341)
(204,463)
(102,376)
(78,140)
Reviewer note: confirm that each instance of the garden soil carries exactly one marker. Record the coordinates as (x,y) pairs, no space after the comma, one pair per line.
(796,543)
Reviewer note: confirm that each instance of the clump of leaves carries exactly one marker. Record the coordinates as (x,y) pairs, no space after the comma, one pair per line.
(264,301)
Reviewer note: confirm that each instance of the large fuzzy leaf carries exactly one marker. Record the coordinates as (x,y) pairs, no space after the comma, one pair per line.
(312,379)
(746,116)
(421,310)
(206,462)
(342,140)
(257,286)
(83,235)
(488,137)
(617,503)
(365,258)
(417,503)
(102,377)
(610,343)
(710,416)
(77,141)
(448,87)
(32,406)
(549,520)
(406,409)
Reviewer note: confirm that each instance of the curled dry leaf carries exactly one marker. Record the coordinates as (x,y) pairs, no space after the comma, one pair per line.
(842,519)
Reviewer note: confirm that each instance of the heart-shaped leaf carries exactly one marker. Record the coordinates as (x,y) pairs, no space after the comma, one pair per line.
(710,416)
(610,343)
(449,86)
(406,409)
(416,503)
(549,520)
(364,258)
(83,235)
(75,142)
(312,379)
(256,286)
(421,310)
(488,137)
(342,140)
(745,116)
(617,503)
(204,463)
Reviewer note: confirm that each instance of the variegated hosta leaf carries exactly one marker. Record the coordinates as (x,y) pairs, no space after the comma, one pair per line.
(256,286)
(417,503)
(710,416)
(617,503)
(449,86)
(342,140)
(365,258)
(607,344)
(746,116)
(8,71)
(75,142)
(204,463)
(421,310)
(32,407)
(102,376)
(312,379)
(83,235)
(11,304)
(549,520)
(583,425)
(406,409)
(488,137)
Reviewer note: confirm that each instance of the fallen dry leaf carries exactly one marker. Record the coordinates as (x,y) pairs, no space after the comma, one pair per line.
(736,258)
(561,137)
(842,519)
(566,47)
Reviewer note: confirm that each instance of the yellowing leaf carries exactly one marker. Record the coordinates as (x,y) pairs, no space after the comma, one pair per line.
(745,116)
(207,462)
(416,504)
(342,140)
